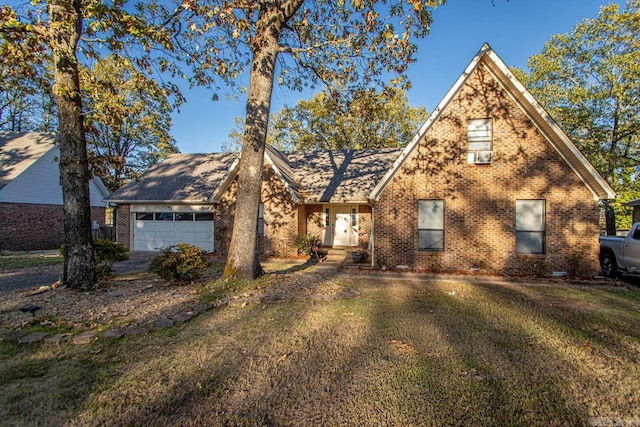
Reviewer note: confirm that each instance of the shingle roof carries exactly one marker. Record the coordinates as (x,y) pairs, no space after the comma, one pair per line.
(310,176)
(339,176)
(19,150)
(179,178)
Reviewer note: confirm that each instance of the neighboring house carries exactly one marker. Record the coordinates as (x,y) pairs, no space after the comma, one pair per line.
(31,215)
(489,182)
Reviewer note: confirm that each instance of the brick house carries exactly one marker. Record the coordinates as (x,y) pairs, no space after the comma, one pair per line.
(31,214)
(489,182)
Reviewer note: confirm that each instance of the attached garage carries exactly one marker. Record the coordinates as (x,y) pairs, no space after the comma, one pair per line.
(155,227)
(173,202)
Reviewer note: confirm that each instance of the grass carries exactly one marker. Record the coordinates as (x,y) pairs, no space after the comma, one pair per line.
(402,353)
(9,262)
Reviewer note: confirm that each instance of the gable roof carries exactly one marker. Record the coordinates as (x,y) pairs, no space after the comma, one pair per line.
(180,178)
(30,171)
(339,176)
(19,150)
(487,58)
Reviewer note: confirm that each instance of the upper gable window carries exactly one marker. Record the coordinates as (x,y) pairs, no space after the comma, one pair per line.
(480,140)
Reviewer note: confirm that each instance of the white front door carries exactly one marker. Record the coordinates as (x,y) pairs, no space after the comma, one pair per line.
(343,225)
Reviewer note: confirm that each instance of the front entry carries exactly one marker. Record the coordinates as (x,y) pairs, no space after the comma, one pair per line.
(340,225)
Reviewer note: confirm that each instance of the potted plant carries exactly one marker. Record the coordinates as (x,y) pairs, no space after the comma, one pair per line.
(359,255)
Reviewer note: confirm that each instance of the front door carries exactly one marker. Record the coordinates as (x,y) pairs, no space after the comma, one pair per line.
(343,224)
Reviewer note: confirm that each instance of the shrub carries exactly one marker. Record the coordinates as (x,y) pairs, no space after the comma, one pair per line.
(304,243)
(181,262)
(105,253)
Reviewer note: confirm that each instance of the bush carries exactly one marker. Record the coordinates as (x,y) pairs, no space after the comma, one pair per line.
(181,262)
(304,243)
(105,253)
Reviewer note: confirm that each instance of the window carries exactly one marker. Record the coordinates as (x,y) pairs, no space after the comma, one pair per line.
(354,218)
(204,216)
(184,216)
(140,216)
(164,216)
(530,226)
(261,218)
(431,225)
(480,140)
(327,218)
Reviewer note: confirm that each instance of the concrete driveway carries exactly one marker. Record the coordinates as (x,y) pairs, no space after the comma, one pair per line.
(34,277)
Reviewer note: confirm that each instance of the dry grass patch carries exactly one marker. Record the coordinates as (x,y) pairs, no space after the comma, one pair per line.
(401,353)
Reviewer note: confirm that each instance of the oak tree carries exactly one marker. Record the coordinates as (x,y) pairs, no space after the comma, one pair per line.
(589,80)
(294,43)
(129,119)
(361,119)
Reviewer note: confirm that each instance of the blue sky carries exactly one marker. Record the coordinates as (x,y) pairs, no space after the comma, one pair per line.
(515,29)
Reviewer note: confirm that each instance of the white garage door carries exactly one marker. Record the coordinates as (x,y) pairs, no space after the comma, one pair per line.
(155,230)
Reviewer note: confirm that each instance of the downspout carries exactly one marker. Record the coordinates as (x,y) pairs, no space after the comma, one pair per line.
(371,238)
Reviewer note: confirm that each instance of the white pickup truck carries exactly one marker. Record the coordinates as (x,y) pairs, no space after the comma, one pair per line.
(621,254)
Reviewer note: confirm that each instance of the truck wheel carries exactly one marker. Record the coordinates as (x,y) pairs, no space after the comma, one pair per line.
(608,266)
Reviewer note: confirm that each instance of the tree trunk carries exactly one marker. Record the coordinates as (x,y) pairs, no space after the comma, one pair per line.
(610,218)
(65,27)
(242,260)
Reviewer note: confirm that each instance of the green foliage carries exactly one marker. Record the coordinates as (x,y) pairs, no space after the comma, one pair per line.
(181,262)
(360,119)
(304,243)
(108,252)
(589,81)
(332,121)
(130,121)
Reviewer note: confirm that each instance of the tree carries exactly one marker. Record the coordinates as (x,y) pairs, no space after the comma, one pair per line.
(357,44)
(129,119)
(26,100)
(589,80)
(60,30)
(360,119)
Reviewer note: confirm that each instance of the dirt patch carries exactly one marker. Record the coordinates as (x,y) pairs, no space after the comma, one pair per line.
(130,301)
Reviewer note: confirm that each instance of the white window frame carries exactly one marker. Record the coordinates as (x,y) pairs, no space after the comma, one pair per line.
(431,226)
(531,224)
(479,137)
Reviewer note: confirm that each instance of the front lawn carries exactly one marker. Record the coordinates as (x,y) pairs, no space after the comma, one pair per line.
(10,262)
(403,352)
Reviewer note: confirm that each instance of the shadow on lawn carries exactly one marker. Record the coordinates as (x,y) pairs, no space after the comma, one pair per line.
(400,354)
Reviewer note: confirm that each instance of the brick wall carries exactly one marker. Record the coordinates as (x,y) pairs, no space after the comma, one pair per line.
(364,226)
(25,227)
(123,225)
(480,200)
(314,215)
(280,218)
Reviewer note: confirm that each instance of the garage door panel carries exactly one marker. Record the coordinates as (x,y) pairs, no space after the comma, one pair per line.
(185,237)
(166,229)
(184,226)
(164,226)
(144,245)
(207,246)
(203,226)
